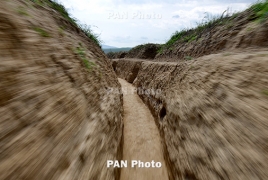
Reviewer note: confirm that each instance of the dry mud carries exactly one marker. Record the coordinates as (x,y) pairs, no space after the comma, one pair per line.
(142,139)
(212,113)
(56,119)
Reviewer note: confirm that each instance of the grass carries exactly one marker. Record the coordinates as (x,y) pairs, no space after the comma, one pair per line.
(265,92)
(260,10)
(193,34)
(61,31)
(81,53)
(188,58)
(160,50)
(41,32)
(22,11)
(64,13)
(90,34)
(226,54)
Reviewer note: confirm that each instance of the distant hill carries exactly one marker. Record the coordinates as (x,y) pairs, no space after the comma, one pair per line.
(116,49)
(103,46)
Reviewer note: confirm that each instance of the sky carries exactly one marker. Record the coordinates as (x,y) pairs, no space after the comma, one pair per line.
(127,23)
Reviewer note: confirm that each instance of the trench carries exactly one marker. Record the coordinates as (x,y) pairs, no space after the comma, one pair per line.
(142,141)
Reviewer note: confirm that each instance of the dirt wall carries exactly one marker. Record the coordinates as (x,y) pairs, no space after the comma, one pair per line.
(127,70)
(211,113)
(238,32)
(57,120)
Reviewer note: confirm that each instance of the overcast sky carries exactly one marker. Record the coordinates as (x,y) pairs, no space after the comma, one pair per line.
(127,23)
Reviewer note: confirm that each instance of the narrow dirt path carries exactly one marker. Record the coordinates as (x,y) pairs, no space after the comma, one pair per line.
(141,139)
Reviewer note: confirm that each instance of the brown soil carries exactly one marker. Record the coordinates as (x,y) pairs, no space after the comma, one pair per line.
(212,113)
(237,33)
(144,51)
(142,140)
(56,120)
(116,55)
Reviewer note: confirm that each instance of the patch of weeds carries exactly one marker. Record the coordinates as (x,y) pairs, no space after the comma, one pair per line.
(58,7)
(249,29)
(190,38)
(41,32)
(39,2)
(175,37)
(189,35)
(188,58)
(89,33)
(229,24)
(64,13)
(81,52)
(226,54)
(262,55)
(22,11)
(265,92)
(191,67)
(160,50)
(61,31)
(261,10)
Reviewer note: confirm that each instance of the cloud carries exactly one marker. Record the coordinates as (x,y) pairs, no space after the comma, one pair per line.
(176,16)
(144,38)
(125,22)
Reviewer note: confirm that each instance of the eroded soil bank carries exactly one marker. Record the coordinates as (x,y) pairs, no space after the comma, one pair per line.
(211,112)
(142,139)
(56,120)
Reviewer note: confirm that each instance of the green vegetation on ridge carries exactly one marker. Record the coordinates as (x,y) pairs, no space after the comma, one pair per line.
(260,10)
(63,11)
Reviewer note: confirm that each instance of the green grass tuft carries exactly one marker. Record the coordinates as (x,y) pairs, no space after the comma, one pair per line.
(188,58)
(226,19)
(64,13)
(265,92)
(41,32)
(22,11)
(90,34)
(209,21)
(81,52)
(261,10)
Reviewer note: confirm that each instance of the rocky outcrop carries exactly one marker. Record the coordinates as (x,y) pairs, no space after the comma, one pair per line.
(211,112)
(57,120)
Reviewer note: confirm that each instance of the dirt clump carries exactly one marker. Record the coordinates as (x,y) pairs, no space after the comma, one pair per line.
(57,119)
